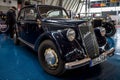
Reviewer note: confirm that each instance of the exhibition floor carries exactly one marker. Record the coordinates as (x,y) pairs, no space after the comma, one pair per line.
(21,63)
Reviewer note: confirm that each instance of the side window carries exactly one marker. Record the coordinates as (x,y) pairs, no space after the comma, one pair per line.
(30,14)
(21,16)
(54,13)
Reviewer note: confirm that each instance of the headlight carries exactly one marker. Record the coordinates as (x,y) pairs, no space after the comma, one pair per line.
(70,34)
(102,31)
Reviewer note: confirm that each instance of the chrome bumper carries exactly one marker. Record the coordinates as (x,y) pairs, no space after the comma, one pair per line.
(109,52)
(85,61)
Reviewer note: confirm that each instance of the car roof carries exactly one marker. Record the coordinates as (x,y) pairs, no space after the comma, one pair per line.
(43,6)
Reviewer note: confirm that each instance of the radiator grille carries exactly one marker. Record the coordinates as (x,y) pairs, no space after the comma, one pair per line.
(89,41)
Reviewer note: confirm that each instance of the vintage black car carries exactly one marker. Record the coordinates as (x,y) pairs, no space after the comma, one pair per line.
(61,43)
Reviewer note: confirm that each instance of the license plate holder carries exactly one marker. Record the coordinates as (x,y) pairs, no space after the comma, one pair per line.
(98,60)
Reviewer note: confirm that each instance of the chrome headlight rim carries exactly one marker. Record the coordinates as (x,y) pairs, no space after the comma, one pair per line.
(102,31)
(70,34)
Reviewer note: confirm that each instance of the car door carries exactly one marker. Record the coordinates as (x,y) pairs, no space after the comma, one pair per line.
(33,30)
(22,27)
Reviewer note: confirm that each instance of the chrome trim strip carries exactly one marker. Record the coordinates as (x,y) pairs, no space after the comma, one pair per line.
(27,43)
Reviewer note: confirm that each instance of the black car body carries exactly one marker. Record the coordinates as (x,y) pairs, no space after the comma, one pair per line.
(61,43)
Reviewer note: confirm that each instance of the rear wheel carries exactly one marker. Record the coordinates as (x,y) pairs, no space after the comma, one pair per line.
(50,59)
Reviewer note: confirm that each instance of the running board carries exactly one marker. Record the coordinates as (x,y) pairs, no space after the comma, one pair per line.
(27,43)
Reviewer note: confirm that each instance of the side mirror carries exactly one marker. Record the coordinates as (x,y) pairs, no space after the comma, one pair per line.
(38,22)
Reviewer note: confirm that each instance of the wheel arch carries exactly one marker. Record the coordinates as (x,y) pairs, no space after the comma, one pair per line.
(47,36)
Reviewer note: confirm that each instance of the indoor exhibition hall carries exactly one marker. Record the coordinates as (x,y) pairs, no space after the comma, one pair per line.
(59,39)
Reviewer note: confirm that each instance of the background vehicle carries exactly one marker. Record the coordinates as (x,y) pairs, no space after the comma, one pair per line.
(61,43)
(3,26)
(108,25)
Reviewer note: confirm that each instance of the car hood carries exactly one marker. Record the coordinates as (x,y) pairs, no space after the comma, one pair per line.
(64,21)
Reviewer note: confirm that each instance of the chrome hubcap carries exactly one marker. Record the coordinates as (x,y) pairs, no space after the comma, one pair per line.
(51,57)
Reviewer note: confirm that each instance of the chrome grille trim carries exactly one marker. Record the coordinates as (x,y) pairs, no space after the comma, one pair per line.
(89,41)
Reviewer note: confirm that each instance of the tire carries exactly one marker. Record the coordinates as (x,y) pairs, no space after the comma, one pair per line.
(57,66)
(15,39)
(110,29)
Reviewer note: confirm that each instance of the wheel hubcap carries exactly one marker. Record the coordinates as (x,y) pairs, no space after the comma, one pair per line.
(51,57)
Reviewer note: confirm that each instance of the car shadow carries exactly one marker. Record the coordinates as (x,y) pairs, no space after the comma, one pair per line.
(83,73)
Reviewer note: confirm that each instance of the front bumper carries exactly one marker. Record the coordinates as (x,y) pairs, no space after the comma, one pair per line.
(85,61)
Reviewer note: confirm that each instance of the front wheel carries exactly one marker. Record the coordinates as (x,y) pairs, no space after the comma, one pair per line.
(50,59)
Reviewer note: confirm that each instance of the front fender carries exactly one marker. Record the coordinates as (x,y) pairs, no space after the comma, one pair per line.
(49,35)
(69,51)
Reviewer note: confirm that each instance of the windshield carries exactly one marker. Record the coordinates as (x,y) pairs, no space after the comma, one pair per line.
(52,12)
